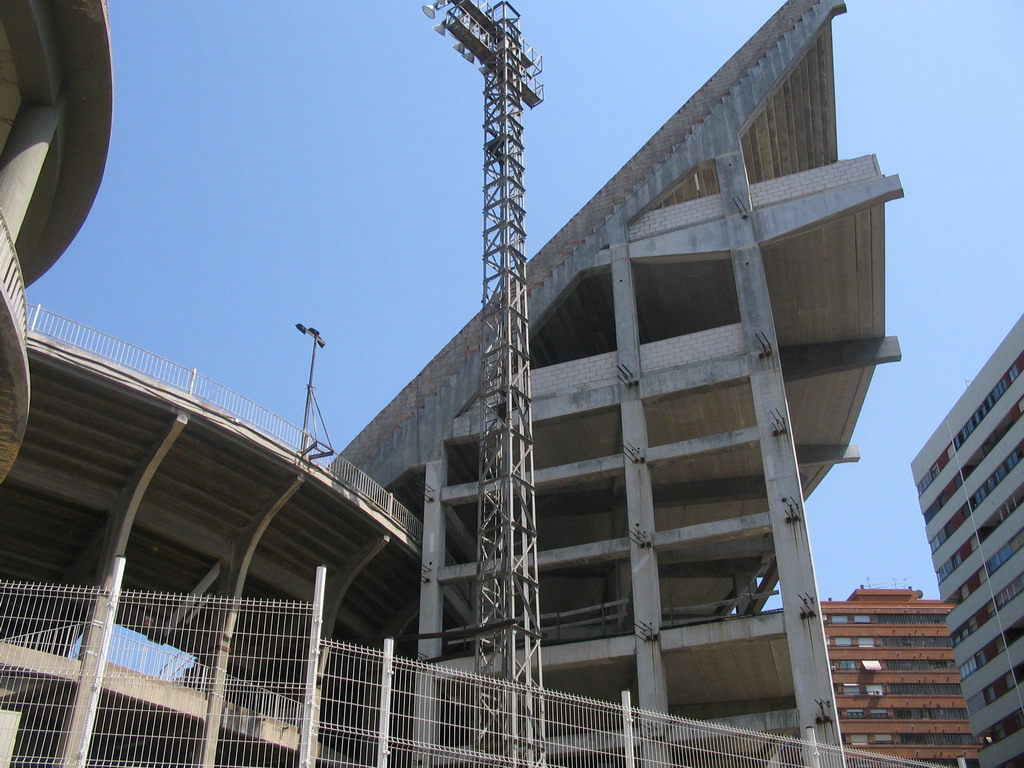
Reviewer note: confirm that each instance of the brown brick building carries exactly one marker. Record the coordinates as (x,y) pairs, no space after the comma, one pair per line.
(897,687)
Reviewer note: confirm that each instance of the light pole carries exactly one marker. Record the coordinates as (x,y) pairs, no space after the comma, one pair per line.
(508,607)
(312,448)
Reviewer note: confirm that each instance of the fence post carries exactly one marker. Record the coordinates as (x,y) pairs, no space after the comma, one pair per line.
(192,381)
(627,729)
(384,729)
(93,655)
(813,755)
(206,754)
(311,706)
(35,316)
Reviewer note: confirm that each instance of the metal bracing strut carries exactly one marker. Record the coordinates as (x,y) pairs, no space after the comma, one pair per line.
(508,610)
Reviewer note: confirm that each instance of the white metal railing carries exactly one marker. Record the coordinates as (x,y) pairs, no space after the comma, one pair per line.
(601,620)
(11,277)
(189,381)
(295,699)
(59,640)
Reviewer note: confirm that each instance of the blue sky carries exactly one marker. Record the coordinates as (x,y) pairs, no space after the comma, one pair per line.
(319,162)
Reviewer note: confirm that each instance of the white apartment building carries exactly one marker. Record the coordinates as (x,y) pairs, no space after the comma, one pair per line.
(971,483)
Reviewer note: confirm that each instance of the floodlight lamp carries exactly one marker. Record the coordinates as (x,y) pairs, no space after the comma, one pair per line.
(468,56)
(441,29)
(484,69)
(431,9)
(460,48)
(301,327)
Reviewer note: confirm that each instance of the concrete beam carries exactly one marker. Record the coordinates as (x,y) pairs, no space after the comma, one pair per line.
(709,240)
(687,376)
(550,407)
(827,454)
(583,554)
(60,485)
(704,373)
(602,650)
(707,533)
(548,478)
(552,478)
(791,217)
(765,625)
(779,721)
(691,536)
(712,239)
(808,360)
(722,441)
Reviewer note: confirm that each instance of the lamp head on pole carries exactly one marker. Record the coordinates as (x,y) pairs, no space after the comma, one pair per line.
(312,332)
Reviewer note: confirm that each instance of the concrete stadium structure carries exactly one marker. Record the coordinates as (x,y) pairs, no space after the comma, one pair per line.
(55,109)
(113,464)
(704,331)
(196,496)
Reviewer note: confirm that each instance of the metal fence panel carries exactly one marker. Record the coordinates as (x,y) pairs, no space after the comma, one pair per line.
(41,630)
(197,680)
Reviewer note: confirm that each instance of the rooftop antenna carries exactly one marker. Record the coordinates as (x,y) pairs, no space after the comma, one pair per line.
(312,447)
(507,604)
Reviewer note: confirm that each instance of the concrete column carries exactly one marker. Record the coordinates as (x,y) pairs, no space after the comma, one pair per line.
(22,160)
(805,634)
(627,330)
(431,603)
(652,689)
(206,753)
(121,515)
(433,554)
(232,575)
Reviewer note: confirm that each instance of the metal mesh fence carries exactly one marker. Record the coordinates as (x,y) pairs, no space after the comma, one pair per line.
(41,629)
(94,677)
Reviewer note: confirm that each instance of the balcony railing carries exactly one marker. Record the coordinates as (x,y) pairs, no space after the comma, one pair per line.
(190,382)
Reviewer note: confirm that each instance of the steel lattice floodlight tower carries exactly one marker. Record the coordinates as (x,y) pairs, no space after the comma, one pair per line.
(508,608)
